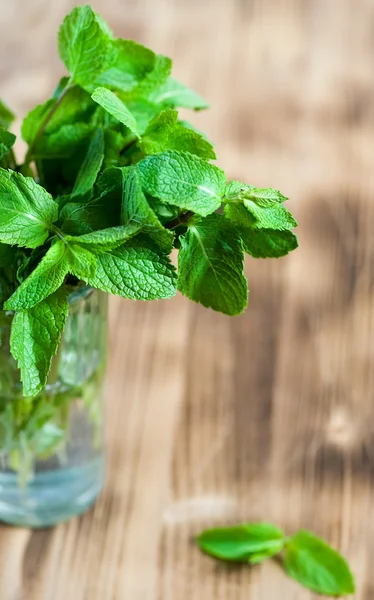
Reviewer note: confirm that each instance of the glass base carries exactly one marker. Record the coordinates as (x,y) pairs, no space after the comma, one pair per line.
(52,496)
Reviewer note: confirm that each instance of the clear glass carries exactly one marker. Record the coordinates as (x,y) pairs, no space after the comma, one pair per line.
(52,445)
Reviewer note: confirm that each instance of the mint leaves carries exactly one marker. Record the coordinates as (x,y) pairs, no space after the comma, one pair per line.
(35,338)
(242,542)
(306,558)
(91,165)
(27,210)
(184,180)
(43,281)
(129,63)
(135,209)
(138,272)
(175,94)
(258,208)
(268,243)
(82,43)
(210,266)
(261,220)
(165,132)
(117,181)
(115,107)
(318,567)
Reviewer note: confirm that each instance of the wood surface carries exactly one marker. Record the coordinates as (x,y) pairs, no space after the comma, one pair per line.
(264,416)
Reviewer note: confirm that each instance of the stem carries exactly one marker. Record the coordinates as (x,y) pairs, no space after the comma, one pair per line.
(129,145)
(58,232)
(181,220)
(48,117)
(13,162)
(39,171)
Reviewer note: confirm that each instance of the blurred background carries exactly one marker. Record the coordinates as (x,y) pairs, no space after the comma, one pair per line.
(266,416)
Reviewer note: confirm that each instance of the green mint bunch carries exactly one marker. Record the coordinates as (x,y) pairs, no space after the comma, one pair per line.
(112,182)
(304,557)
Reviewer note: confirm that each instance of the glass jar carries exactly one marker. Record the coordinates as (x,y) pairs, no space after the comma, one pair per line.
(51,445)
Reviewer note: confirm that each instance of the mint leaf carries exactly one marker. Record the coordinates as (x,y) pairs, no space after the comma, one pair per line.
(154,79)
(65,256)
(7,140)
(104,26)
(268,214)
(184,180)
(34,119)
(136,272)
(237,213)
(83,46)
(44,280)
(175,94)
(106,239)
(270,217)
(81,262)
(267,243)
(100,212)
(317,566)
(26,264)
(135,209)
(164,133)
(257,208)
(247,542)
(74,218)
(77,106)
(64,124)
(143,111)
(264,196)
(114,106)
(114,144)
(63,142)
(27,211)
(6,116)
(35,337)
(189,125)
(128,64)
(211,266)
(91,165)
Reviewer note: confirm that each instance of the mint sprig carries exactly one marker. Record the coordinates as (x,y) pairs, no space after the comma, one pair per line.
(113,182)
(305,557)
(83,43)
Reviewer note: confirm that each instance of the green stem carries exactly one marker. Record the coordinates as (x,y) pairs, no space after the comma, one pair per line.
(39,171)
(58,232)
(180,220)
(129,145)
(12,162)
(48,117)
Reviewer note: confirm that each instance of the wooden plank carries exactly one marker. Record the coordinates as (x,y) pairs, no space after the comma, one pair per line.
(265,416)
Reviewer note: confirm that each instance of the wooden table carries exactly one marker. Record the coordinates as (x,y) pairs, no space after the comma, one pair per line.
(218,420)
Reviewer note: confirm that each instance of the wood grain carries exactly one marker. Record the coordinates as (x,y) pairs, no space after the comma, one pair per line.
(215,420)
